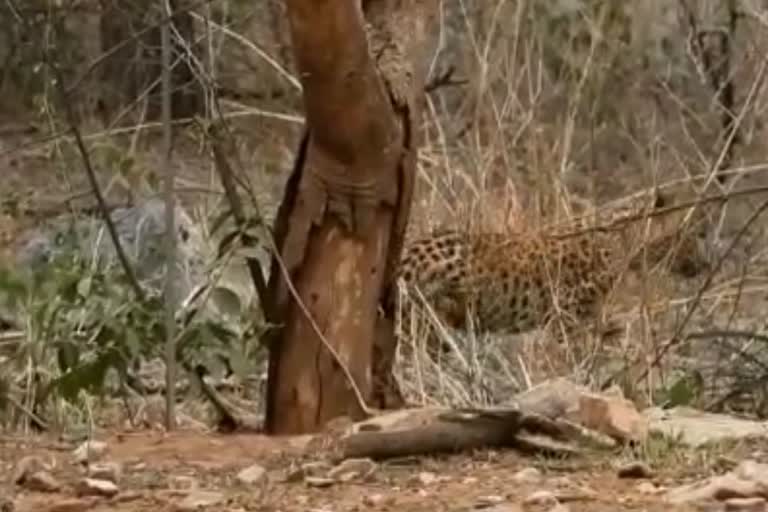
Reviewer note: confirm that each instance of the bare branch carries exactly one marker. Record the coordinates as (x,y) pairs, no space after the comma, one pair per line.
(69,112)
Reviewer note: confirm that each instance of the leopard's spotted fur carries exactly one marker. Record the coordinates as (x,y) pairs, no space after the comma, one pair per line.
(518,282)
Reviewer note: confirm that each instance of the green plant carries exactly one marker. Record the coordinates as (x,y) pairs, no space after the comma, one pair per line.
(81,324)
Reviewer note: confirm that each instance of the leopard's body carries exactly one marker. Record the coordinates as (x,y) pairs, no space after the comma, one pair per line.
(518,282)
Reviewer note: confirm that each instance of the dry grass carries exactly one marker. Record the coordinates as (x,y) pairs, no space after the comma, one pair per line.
(558,116)
(526,157)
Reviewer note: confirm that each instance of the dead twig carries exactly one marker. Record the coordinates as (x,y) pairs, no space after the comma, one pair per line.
(677,336)
(227,177)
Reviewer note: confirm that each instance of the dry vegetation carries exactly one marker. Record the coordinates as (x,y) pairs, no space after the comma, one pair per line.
(536,112)
(548,114)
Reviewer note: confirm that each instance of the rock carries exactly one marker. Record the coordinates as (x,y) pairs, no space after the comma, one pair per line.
(90,451)
(426,478)
(197,500)
(301,442)
(753,471)
(613,416)
(634,469)
(756,504)
(551,399)
(252,474)
(138,466)
(72,505)
(110,471)
(41,481)
(546,498)
(746,487)
(353,468)
(319,481)
(183,483)
(528,475)
(502,507)
(25,467)
(647,488)
(377,500)
(297,474)
(696,428)
(578,494)
(717,488)
(560,508)
(350,469)
(96,487)
(129,496)
(315,468)
(141,231)
(561,481)
(487,501)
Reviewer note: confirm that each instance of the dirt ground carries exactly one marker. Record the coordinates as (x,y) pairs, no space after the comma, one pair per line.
(158,470)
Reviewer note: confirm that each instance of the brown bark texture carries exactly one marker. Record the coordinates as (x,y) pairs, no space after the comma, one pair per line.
(340,227)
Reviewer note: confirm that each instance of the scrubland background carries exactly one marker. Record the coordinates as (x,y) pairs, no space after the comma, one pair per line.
(534,111)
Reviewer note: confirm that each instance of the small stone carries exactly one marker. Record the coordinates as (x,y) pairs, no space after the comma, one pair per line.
(310,469)
(635,469)
(694,428)
(614,416)
(756,504)
(559,508)
(376,500)
(728,485)
(110,471)
(487,501)
(183,483)
(319,481)
(252,474)
(198,500)
(347,477)
(350,469)
(129,496)
(96,487)
(580,493)
(502,507)
(427,478)
(41,481)
(647,488)
(561,481)
(753,471)
(25,467)
(90,451)
(528,475)
(72,505)
(541,498)
(302,442)
(315,468)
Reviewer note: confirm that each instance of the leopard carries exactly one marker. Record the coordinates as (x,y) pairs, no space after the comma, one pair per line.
(516,282)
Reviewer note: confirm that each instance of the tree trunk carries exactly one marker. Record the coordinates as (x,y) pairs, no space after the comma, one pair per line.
(340,226)
(132,69)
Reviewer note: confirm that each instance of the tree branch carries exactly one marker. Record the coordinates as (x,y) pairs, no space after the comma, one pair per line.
(69,112)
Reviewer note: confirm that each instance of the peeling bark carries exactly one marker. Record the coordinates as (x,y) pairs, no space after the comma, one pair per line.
(340,227)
